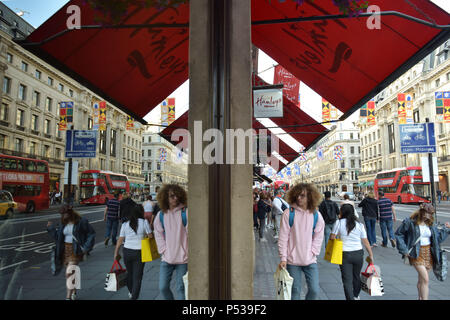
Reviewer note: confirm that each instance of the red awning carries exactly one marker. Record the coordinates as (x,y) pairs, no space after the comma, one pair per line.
(342,60)
(182,123)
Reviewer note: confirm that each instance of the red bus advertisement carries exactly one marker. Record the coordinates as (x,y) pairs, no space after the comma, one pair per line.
(403,185)
(27,180)
(96,186)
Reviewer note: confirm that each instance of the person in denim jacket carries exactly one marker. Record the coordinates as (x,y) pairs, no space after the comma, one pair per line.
(419,240)
(74,238)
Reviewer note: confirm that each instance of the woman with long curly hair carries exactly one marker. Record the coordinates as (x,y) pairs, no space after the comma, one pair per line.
(171,237)
(299,244)
(419,239)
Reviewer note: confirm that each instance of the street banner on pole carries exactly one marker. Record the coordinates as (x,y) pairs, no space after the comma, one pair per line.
(371,120)
(291,85)
(102,116)
(65,115)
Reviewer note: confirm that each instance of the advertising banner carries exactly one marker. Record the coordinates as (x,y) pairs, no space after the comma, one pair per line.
(291,85)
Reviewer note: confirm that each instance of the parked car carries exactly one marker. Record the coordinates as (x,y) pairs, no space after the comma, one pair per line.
(7,204)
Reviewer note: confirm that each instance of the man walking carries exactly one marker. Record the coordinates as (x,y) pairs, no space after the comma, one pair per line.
(329,210)
(387,213)
(279,205)
(111,216)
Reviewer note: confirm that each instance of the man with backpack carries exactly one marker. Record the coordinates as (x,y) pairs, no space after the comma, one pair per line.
(279,205)
(330,211)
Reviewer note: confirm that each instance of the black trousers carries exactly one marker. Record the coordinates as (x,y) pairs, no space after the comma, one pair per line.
(352,262)
(135,269)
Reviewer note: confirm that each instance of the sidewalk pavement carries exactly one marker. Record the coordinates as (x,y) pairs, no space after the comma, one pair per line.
(37,283)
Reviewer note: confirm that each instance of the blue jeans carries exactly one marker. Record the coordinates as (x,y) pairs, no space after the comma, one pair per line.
(312,280)
(386,224)
(165,275)
(111,229)
(371,233)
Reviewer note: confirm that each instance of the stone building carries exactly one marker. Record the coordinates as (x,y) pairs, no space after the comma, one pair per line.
(29,114)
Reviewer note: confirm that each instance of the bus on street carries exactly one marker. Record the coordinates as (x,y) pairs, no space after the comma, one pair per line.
(97,186)
(403,185)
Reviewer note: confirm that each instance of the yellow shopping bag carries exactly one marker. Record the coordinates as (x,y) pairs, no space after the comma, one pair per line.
(149,250)
(333,252)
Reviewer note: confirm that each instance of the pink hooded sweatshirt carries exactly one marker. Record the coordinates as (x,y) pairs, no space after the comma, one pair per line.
(173,244)
(297,245)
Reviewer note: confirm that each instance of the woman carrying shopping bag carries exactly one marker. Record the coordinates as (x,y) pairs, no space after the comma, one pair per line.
(131,234)
(74,238)
(419,240)
(300,239)
(352,233)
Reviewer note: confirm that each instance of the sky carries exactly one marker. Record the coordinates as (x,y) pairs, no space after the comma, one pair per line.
(36,12)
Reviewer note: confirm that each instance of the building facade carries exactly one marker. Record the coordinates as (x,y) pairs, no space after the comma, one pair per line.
(330,172)
(160,169)
(29,114)
(380,144)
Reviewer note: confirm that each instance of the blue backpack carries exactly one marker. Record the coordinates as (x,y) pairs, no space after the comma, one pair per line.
(183,218)
(292,214)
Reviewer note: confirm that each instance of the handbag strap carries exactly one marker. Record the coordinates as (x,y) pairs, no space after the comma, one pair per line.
(116,266)
(417,241)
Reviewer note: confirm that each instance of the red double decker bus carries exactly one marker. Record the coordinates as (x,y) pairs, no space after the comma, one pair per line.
(97,186)
(27,180)
(403,185)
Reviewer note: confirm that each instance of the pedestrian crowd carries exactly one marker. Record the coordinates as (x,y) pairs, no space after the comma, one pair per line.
(127,224)
(301,219)
(306,222)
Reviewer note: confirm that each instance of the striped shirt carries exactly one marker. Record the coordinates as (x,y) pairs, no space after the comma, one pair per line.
(113,208)
(385,208)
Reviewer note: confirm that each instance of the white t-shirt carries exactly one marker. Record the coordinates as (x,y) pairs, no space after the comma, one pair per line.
(68,231)
(277,204)
(133,239)
(148,206)
(352,241)
(425,234)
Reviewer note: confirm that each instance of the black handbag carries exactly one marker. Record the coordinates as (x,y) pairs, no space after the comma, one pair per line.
(56,262)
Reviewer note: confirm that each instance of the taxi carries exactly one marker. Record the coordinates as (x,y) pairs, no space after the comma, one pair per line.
(7,204)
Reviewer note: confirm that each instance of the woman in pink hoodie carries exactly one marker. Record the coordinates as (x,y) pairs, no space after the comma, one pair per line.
(171,237)
(300,240)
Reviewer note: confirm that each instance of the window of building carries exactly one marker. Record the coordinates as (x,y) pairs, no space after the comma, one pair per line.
(391,138)
(32,148)
(71,92)
(22,92)
(3,141)
(352,150)
(34,122)
(149,153)
(18,146)
(48,104)
(36,98)
(7,85)
(448,76)
(4,112)
(47,126)
(20,118)
(437,83)
(103,142)
(24,66)
(9,57)
(113,142)
(38,74)
(416,116)
(58,153)
(61,87)
(50,81)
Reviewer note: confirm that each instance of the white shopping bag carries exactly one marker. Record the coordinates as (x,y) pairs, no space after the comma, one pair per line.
(283,284)
(116,278)
(371,281)
(186,283)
